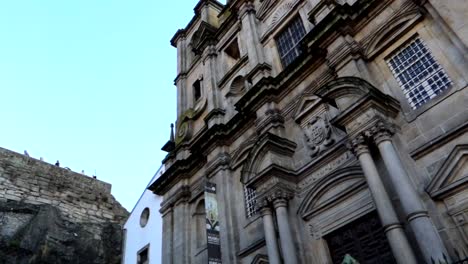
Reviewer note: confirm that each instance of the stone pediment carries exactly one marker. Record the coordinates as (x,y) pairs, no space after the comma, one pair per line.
(269,151)
(452,176)
(307,105)
(328,190)
(260,259)
(202,37)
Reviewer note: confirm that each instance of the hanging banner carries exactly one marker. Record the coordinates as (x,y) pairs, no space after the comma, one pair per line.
(212,224)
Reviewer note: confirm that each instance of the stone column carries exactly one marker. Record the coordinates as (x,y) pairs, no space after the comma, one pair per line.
(250,34)
(270,235)
(167,236)
(393,230)
(210,77)
(426,235)
(286,238)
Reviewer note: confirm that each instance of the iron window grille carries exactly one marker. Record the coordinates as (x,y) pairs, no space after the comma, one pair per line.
(419,75)
(288,41)
(250,201)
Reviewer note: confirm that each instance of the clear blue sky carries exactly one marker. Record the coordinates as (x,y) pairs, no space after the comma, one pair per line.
(90,83)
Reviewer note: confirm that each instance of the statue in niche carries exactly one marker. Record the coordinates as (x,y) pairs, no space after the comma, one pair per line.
(318,133)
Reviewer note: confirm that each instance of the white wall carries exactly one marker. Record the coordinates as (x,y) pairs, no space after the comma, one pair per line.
(137,237)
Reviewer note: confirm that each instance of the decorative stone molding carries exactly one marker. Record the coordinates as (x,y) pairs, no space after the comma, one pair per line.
(247,8)
(221,162)
(241,153)
(210,52)
(238,86)
(181,195)
(452,177)
(269,151)
(273,119)
(398,23)
(381,131)
(320,10)
(319,135)
(272,190)
(330,189)
(358,145)
(260,259)
(203,37)
(362,105)
(265,7)
(274,20)
(324,169)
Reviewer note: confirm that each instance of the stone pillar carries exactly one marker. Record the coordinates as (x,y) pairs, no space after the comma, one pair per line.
(250,34)
(167,236)
(427,237)
(393,230)
(286,238)
(210,77)
(270,236)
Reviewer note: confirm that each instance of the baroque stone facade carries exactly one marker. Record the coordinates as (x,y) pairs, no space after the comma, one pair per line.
(330,127)
(50,214)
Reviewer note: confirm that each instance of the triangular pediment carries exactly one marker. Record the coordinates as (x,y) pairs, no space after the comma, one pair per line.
(306,105)
(452,175)
(260,259)
(204,34)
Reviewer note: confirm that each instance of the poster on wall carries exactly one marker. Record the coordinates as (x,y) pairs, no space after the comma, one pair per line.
(212,224)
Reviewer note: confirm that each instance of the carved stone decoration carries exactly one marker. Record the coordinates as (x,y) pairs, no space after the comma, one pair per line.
(381,131)
(318,134)
(265,7)
(406,16)
(452,176)
(279,14)
(260,259)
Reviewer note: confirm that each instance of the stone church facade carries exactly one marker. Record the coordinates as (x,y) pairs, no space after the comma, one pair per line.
(330,128)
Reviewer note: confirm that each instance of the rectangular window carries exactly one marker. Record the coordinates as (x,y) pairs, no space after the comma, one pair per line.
(288,41)
(250,201)
(143,255)
(420,76)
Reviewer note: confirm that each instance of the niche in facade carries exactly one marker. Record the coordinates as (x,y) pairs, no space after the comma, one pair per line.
(197,90)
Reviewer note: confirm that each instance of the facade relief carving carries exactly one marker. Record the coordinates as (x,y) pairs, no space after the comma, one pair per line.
(281,11)
(319,135)
(313,115)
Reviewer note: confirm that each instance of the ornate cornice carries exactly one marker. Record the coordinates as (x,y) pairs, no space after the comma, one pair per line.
(182,194)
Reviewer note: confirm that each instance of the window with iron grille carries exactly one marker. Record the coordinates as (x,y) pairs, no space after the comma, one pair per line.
(420,76)
(288,41)
(250,201)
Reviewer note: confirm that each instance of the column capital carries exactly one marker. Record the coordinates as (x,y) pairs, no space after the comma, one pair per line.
(279,194)
(265,210)
(358,145)
(280,202)
(247,8)
(210,53)
(381,131)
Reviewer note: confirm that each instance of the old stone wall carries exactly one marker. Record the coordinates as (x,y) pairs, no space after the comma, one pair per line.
(78,197)
(50,214)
